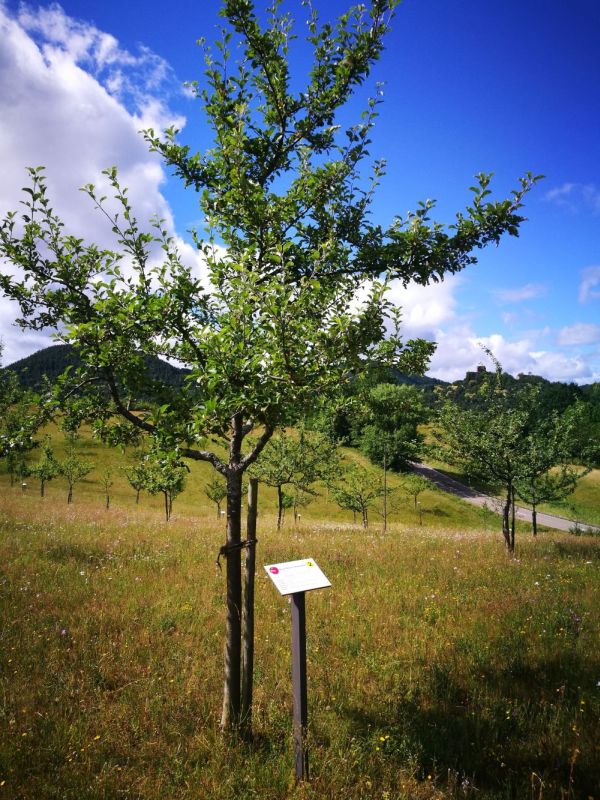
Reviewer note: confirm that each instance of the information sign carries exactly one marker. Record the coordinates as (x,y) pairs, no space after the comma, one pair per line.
(297,576)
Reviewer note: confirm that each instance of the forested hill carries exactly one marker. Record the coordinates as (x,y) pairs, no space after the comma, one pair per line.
(553,395)
(52,362)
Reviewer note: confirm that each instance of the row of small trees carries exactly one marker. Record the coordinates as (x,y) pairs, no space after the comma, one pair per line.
(291,464)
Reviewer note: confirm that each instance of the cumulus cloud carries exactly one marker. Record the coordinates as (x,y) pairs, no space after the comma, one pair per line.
(590,279)
(528,292)
(578,334)
(425,308)
(73,100)
(575,197)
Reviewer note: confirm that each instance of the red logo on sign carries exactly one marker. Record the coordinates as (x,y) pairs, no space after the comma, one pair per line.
(273,570)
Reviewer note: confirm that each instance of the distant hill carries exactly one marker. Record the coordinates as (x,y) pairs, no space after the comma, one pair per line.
(52,362)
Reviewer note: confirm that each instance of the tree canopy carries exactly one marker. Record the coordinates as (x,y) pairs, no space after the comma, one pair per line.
(289,241)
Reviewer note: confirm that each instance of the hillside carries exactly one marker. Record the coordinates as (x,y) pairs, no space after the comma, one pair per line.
(51,362)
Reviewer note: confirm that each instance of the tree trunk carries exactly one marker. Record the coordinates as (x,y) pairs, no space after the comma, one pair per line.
(534,518)
(506,518)
(218,510)
(248,618)
(230,718)
(512,520)
(107,502)
(279,506)
(42,487)
(137,496)
(70,495)
(365,519)
(166,506)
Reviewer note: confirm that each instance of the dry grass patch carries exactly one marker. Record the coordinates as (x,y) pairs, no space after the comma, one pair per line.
(438,667)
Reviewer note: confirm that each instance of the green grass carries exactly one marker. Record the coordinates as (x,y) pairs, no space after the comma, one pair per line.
(438,666)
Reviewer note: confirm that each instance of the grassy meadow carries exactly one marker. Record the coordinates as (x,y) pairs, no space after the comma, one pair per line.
(438,666)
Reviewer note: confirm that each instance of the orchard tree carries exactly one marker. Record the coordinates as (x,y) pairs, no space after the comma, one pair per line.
(19,421)
(136,478)
(389,424)
(47,468)
(547,474)
(414,485)
(216,491)
(357,490)
(73,469)
(106,481)
(504,440)
(296,462)
(289,241)
(163,472)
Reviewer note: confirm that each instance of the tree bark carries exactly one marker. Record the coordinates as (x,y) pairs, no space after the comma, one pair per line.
(506,518)
(365,519)
(512,520)
(534,518)
(166,506)
(230,717)
(42,487)
(70,495)
(248,617)
(279,506)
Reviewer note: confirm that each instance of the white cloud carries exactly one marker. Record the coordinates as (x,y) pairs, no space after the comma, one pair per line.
(575,197)
(425,308)
(579,333)
(73,100)
(590,279)
(528,292)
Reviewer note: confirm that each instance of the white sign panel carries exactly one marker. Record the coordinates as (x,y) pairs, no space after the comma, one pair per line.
(297,576)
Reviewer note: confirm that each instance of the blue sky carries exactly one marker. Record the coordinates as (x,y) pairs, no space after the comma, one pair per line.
(470,86)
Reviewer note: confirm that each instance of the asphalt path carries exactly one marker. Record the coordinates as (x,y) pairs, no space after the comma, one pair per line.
(448,484)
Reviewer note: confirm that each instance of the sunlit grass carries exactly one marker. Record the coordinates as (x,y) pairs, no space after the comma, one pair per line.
(439,667)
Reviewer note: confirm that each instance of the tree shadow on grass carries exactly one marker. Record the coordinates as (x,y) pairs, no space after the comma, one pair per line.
(70,551)
(500,747)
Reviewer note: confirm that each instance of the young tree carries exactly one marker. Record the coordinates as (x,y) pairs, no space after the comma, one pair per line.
(547,474)
(289,241)
(73,469)
(106,482)
(163,472)
(216,490)
(47,468)
(136,477)
(298,462)
(19,421)
(357,491)
(414,485)
(505,441)
(389,423)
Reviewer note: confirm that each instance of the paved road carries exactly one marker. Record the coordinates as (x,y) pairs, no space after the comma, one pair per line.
(453,486)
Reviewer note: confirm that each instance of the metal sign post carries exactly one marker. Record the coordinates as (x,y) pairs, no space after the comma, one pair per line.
(295,578)
(300,698)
